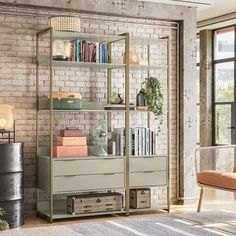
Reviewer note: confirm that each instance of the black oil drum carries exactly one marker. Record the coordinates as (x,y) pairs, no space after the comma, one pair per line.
(11,179)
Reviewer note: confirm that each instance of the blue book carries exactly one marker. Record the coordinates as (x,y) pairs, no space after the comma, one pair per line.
(100,52)
(77,50)
(103,53)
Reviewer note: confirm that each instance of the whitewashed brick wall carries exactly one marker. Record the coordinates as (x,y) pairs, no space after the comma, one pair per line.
(18,80)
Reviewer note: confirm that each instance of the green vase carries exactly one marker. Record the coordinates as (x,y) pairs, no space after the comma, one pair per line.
(101,152)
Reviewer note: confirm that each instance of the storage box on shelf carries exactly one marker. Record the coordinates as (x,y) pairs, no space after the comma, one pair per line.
(99,202)
(140,198)
(82,174)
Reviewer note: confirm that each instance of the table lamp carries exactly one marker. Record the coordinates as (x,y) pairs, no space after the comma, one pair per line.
(6,118)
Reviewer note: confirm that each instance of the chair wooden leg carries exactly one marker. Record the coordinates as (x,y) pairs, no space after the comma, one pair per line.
(200,200)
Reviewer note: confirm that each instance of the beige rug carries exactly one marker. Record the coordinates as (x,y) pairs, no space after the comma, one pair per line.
(189,224)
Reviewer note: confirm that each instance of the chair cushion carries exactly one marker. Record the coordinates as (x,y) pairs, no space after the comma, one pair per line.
(217,179)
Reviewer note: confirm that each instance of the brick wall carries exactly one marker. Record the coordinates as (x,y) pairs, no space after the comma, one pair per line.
(17,83)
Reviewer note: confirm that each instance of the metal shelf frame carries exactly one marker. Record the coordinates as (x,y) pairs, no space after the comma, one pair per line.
(48,33)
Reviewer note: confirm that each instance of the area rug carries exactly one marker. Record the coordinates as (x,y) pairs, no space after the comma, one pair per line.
(188,224)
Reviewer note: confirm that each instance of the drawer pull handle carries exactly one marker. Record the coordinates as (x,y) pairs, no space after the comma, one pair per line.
(149,171)
(70,175)
(109,173)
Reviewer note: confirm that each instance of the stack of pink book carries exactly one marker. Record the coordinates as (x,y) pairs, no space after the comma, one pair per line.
(72,143)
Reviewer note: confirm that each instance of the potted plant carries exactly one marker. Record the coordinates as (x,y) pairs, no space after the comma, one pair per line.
(154,99)
(3,224)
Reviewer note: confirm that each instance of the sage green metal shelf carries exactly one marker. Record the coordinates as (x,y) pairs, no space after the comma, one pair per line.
(44,61)
(52,210)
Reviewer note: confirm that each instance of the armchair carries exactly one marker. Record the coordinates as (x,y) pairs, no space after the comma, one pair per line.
(212,178)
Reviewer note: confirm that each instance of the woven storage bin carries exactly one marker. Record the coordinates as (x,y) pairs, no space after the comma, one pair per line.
(65,23)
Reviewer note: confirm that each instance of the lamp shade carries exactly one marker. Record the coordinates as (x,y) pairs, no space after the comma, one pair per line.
(6,117)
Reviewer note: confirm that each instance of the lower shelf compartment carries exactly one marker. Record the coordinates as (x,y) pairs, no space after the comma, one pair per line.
(60,211)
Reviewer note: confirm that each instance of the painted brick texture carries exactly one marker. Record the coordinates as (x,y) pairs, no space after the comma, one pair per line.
(18,85)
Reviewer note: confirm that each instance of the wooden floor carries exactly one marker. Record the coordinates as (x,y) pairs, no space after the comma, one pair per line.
(212,200)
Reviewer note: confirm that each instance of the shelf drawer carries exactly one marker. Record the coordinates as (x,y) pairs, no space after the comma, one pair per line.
(142,179)
(88,182)
(86,167)
(139,164)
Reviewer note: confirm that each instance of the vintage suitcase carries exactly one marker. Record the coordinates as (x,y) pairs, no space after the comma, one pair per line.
(140,198)
(89,203)
(71,132)
(70,151)
(72,141)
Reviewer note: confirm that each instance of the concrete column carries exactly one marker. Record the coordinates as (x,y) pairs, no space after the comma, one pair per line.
(206,80)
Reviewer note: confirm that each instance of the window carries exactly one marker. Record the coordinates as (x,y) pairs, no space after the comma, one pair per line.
(224,85)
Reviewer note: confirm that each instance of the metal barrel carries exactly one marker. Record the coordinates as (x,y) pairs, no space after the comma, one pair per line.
(11,183)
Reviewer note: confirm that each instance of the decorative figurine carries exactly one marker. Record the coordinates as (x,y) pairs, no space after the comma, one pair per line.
(101,135)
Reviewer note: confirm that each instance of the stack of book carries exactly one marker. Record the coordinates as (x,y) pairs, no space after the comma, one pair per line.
(84,51)
(71,144)
(142,142)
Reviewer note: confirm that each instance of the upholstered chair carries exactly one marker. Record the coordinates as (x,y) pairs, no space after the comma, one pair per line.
(212,178)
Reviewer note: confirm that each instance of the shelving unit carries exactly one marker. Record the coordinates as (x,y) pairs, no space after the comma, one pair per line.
(62,176)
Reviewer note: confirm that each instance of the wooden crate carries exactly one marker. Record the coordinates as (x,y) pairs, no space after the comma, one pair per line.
(140,198)
(90,203)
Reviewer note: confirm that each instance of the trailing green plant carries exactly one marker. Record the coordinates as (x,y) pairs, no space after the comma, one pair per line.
(154,99)
(3,224)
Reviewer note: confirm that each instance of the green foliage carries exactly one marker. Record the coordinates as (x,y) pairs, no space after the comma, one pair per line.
(154,99)
(3,224)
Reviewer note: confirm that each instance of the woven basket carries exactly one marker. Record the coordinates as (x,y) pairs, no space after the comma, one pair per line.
(65,23)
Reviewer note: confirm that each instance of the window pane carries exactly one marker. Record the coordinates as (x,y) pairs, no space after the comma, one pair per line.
(224,82)
(222,122)
(224,43)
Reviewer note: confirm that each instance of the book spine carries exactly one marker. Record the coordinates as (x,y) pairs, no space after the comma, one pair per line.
(132,141)
(114,147)
(147,142)
(144,141)
(77,50)
(136,143)
(122,142)
(150,139)
(97,52)
(117,137)
(154,143)
(140,151)
(100,52)
(105,53)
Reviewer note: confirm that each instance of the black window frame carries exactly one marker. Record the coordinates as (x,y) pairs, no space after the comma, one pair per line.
(214,63)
